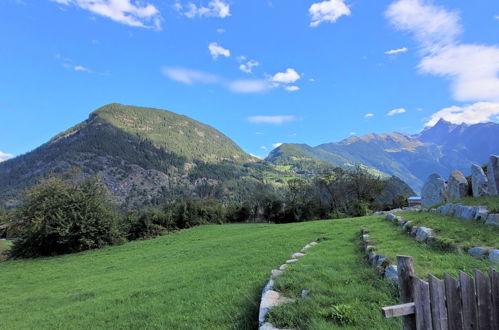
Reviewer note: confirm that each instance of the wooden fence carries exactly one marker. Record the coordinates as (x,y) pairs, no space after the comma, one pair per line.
(465,303)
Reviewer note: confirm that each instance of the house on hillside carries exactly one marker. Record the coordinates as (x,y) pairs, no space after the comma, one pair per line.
(414,201)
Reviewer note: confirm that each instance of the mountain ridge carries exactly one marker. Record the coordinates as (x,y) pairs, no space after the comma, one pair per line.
(441,148)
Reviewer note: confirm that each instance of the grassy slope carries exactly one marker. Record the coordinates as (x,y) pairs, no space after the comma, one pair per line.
(179,134)
(211,277)
(492,202)
(337,275)
(464,233)
(206,277)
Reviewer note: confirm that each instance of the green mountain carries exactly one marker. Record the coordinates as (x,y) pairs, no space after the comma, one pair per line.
(143,155)
(148,156)
(439,149)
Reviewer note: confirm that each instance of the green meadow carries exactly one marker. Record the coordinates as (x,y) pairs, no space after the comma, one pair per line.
(211,277)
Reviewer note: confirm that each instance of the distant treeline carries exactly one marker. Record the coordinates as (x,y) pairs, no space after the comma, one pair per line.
(58,216)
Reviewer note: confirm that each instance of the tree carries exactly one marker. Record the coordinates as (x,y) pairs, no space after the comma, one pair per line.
(58,217)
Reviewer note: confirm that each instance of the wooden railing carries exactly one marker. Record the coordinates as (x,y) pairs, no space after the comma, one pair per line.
(465,303)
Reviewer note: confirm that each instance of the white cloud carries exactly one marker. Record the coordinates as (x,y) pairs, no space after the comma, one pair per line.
(220,30)
(433,26)
(396,111)
(126,12)
(275,120)
(264,148)
(288,77)
(81,68)
(353,133)
(4,156)
(396,51)
(277,145)
(216,50)
(190,77)
(311,79)
(248,66)
(292,88)
(369,115)
(327,11)
(468,114)
(472,69)
(248,86)
(258,133)
(215,8)
(496,17)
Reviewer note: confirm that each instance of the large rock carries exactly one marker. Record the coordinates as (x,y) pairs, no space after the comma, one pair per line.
(465,212)
(481,214)
(477,252)
(434,191)
(493,175)
(423,233)
(479,182)
(391,273)
(457,186)
(494,256)
(493,219)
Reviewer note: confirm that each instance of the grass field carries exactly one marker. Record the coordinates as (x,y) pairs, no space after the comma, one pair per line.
(344,291)
(211,277)
(463,232)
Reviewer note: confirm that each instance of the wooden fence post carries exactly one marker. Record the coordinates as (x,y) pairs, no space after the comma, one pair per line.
(494,288)
(468,298)
(483,300)
(438,307)
(454,307)
(422,304)
(405,271)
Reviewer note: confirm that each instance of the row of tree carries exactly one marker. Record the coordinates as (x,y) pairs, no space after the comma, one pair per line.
(58,216)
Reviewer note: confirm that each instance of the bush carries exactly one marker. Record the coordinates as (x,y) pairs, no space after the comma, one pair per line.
(58,217)
(442,244)
(151,223)
(359,208)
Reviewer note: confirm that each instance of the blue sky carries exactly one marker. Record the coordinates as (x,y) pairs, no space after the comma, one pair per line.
(262,72)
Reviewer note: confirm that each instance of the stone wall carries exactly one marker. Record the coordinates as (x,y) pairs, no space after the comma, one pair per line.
(436,190)
(476,213)
(427,235)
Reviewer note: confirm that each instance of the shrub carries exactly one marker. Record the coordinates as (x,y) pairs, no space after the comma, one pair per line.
(151,223)
(359,208)
(58,217)
(442,244)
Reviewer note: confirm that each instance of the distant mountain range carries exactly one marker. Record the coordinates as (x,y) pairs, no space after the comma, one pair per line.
(147,156)
(439,149)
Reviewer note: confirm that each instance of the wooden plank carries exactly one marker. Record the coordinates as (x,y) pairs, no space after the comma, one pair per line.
(453,300)
(468,299)
(483,301)
(494,288)
(437,299)
(405,270)
(422,304)
(398,310)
